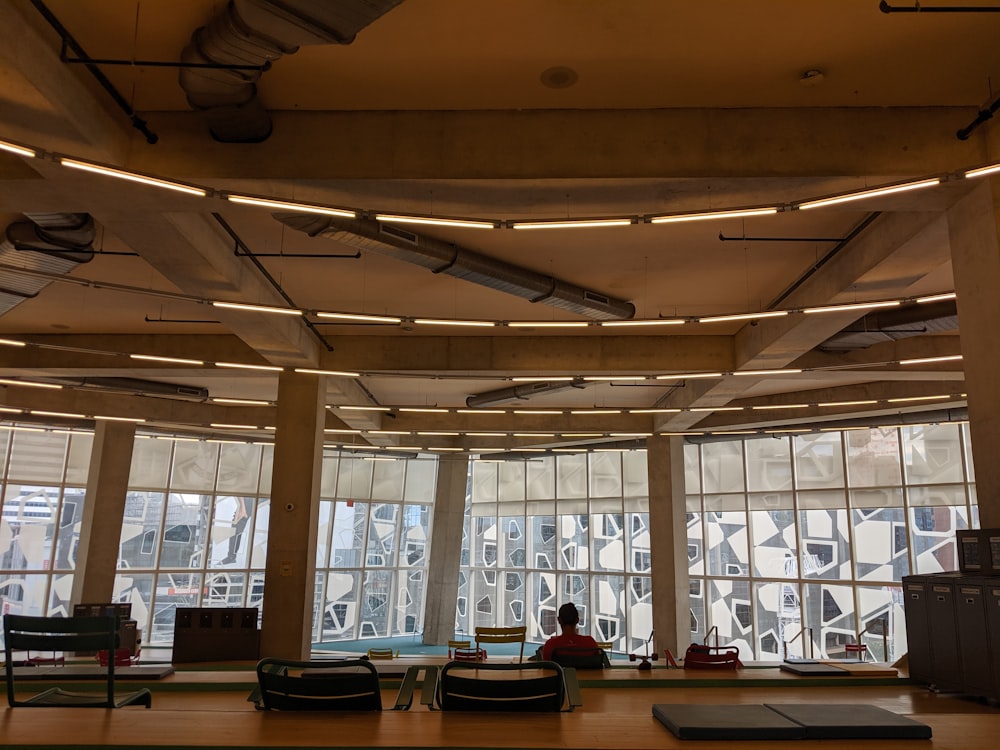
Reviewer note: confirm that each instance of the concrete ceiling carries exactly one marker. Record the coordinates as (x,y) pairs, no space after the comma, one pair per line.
(455,109)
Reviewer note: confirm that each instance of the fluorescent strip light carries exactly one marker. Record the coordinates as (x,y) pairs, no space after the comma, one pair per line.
(525,379)
(464,223)
(690,376)
(133,177)
(481,411)
(902,187)
(239,366)
(733,432)
(363,408)
(572,224)
(360,317)
(440,322)
(702,216)
(548,324)
(743,316)
(226,442)
(636,323)
(678,434)
(978,172)
(866,402)
(423,409)
(309,208)
(439,434)
(766,372)
(442,448)
(137,420)
(533,434)
(918,398)
(10,410)
(341,431)
(783,430)
(486,434)
(335,373)
(378,458)
(12,342)
(69,415)
(926,360)
(224,426)
(609,378)
(581,434)
(630,434)
(388,432)
(765,407)
(241,401)
(568,450)
(936,298)
(596,411)
(29,384)
(846,308)
(654,411)
(19,150)
(714,408)
(401,448)
(171,360)
(257,308)
(538,411)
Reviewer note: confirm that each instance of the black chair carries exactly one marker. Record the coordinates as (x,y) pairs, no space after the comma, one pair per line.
(581,657)
(65,634)
(286,685)
(530,686)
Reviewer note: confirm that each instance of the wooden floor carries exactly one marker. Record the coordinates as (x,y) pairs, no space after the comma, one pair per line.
(212,712)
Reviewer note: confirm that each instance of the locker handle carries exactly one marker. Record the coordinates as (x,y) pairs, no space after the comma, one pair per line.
(940,598)
(970,600)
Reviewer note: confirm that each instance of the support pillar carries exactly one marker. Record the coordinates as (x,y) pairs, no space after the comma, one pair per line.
(290,569)
(103,512)
(446,550)
(668,549)
(975,252)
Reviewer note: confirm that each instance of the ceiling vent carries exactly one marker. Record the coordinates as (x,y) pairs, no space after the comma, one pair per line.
(255,33)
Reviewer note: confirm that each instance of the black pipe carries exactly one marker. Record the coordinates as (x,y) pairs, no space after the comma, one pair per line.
(983,116)
(918,8)
(724,238)
(67,39)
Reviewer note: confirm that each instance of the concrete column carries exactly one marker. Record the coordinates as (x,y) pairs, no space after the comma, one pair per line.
(290,569)
(668,531)
(446,550)
(103,512)
(975,253)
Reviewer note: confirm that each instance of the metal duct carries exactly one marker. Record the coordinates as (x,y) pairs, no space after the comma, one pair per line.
(892,325)
(256,33)
(452,260)
(52,243)
(520,392)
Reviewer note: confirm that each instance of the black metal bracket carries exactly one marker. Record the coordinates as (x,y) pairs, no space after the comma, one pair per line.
(983,116)
(724,238)
(918,8)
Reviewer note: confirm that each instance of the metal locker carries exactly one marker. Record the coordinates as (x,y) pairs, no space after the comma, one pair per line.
(973,637)
(946,665)
(918,634)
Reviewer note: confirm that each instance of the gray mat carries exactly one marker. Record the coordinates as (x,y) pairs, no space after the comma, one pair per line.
(732,722)
(813,668)
(850,721)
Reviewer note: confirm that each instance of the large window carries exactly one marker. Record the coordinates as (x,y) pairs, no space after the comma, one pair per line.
(374,540)
(195,529)
(798,544)
(568,528)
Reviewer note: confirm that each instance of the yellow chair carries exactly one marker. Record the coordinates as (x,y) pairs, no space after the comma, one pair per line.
(606,645)
(502,635)
(381,653)
(456,644)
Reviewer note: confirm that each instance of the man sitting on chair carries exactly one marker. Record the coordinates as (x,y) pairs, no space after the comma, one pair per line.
(568,618)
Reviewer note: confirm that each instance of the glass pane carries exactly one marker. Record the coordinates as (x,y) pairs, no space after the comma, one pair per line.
(224,589)
(421,481)
(695,545)
(967,444)
(881,552)
(542,543)
(185,531)
(730,612)
(640,543)
(635,474)
(329,470)
(882,620)
(932,454)
(340,605)
(323,530)
(173,590)
(574,545)
(37,457)
(722,467)
(511,542)
(778,621)
(544,595)
(416,531)
(511,481)
(68,534)
(484,541)
(484,481)
(239,469)
(774,544)
(230,533)
(355,479)
(826,548)
(692,468)
(150,463)
(409,602)
(258,556)
(829,612)
(137,590)
(382,535)
(640,615)
(28,528)
(266,466)
(727,544)
(78,458)
(61,596)
(699,609)
(932,534)
(140,539)
(348,537)
(23,594)
(376,604)
(571,475)
(541,478)
(194,466)
(873,457)
(605,474)
(608,533)
(387,480)
(819,461)
(769,465)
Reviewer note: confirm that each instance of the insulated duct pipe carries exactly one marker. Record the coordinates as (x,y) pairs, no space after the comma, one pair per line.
(52,243)
(520,392)
(256,33)
(894,324)
(452,260)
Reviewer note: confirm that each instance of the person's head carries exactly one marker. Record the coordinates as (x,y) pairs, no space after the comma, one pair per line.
(568,614)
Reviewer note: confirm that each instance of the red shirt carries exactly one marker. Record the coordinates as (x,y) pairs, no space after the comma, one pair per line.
(576,640)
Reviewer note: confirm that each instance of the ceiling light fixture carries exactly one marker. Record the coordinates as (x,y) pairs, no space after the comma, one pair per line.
(19,150)
(538,411)
(764,407)
(542,379)
(423,409)
(548,324)
(706,215)
(654,411)
(133,177)
(137,420)
(335,373)
(596,411)
(29,384)
(224,426)
(874,192)
(257,308)
(12,342)
(171,360)
(462,223)
(927,360)
(239,366)
(743,316)
(917,398)
(572,224)
(610,378)
(791,371)
(441,322)
(654,322)
(68,415)
(360,317)
(982,171)
(241,401)
(865,402)
(309,208)
(847,308)
(480,411)
(690,376)
(362,408)
(936,298)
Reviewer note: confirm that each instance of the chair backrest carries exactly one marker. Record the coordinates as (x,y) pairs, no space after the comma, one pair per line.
(52,634)
(379,653)
(700,656)
(535,686)
(581,657)
(468,654)
(513,634)
(455,644)
(349,685)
